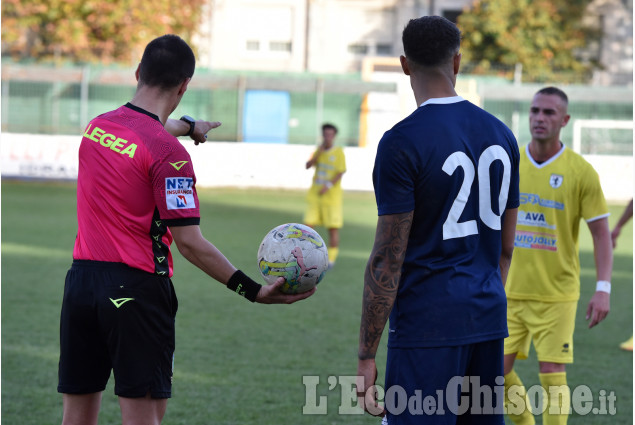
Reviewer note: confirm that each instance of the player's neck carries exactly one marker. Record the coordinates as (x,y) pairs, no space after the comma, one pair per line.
(541,151)
(432,86)
(159,103)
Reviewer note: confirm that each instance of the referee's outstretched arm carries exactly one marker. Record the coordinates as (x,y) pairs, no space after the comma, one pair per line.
(203,254)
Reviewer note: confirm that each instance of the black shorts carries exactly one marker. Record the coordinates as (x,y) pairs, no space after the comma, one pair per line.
(118,318)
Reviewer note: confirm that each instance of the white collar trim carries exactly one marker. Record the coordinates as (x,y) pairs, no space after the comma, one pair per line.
(547,162)
(443,100)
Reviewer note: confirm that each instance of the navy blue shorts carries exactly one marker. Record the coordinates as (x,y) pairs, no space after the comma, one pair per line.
(117,318)
(446,385)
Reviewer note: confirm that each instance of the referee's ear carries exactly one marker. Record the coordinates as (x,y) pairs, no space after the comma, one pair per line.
(183,86)
(404,64)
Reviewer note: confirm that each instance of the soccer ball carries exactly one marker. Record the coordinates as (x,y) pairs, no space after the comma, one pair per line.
(296,252)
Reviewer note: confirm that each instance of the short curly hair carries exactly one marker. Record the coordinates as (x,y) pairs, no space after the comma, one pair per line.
(330,126)
(430,40)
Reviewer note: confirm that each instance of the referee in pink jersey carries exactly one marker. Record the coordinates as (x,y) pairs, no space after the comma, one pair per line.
(136,193)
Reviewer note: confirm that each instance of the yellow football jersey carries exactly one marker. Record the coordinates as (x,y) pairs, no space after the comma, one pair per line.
(554,196)
(329,164)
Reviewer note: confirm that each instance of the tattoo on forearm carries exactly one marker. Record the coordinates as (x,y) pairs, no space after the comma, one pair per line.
(381,279)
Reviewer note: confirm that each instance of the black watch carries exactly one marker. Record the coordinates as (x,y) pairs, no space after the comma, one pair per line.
(191,122)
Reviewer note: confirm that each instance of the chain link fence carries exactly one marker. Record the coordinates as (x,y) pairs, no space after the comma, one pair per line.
(49,100)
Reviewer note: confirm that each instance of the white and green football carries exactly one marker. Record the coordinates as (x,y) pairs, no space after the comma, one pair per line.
(296,252)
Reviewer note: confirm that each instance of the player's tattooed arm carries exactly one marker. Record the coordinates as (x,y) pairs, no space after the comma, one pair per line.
(381,279)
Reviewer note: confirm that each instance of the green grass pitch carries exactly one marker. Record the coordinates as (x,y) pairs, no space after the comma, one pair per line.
(238,363)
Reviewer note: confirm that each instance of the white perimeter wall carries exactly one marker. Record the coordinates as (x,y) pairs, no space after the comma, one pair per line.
(248,164)
(217,164)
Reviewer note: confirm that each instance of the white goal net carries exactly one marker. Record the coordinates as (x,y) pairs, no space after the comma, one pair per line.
(603,137)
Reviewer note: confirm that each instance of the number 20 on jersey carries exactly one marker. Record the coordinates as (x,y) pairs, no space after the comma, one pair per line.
(452,228)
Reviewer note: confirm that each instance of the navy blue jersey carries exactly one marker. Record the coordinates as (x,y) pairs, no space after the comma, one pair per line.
(456,167)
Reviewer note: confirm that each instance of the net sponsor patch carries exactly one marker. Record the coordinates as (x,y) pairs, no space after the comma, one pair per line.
(179,193)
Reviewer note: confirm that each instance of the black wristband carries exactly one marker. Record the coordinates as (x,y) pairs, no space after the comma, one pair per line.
(243,285)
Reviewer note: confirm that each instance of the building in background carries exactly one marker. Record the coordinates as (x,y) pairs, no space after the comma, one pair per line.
(614,19)
(323,36)
(335,36)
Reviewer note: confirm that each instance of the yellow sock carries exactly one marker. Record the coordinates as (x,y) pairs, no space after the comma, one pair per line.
(516,402)
(558,398)
(333,252)
(627,345)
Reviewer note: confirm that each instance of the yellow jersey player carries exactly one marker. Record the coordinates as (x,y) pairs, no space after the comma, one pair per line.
(325,195)
(558,188)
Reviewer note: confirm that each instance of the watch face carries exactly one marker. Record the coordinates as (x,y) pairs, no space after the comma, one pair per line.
(191,122)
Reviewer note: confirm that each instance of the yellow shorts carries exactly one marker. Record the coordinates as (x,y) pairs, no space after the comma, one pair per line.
(320,214)
(549,325)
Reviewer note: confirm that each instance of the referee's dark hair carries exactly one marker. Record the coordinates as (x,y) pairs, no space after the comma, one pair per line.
(167,61)
(430,40)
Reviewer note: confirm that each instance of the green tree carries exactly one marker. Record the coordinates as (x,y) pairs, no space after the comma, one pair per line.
(93,30)
(547,37)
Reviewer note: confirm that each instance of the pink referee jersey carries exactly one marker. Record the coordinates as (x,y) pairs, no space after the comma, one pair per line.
(135,181)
